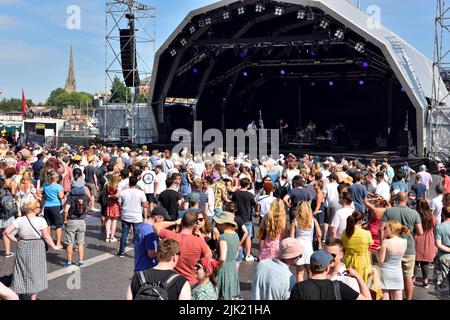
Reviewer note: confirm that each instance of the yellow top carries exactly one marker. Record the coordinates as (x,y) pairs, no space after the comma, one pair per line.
(357,251)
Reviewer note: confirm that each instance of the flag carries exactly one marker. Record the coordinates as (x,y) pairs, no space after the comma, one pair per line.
(24,105)
(261,122)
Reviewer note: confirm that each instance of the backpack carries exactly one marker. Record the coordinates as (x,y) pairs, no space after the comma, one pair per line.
(79,206)
(8,205)
(154,291)
(103,198)
(281,191)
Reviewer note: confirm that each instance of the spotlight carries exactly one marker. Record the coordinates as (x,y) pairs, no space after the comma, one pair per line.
(279,11)
(301,14)
(173,52)
(331,83)
(260,8)
(201,23)
(282,72)
(365,64)
(339,34)
(313,83)
(313,53)
(361,82)
(244,53)
(241,11)
(191,29)
(183,42)
(360,47)
(245,74)
(310,15)
(402,89)
(195,70)
(208,21)
(226,15)
(324,24)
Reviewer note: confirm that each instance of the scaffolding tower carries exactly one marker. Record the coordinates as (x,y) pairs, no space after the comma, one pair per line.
(140,19)
(439,113)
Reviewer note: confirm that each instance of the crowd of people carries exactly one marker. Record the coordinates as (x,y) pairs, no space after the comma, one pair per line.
(327,229)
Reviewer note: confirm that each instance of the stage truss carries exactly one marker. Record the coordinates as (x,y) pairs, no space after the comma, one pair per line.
(145,39)
(439,113)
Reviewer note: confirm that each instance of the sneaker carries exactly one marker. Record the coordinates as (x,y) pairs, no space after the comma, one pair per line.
(94,210)
(68,264)
(426,286)
(108,240)
(9,255)
(121,254)
(80,264)
(113,239)
(249,258)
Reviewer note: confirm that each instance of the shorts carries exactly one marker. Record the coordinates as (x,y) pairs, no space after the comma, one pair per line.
(320,217)
(92,189)
(249,226)
(408,263)
(5,223)
(150,197)
(240,255)
(54,216)
(75,232)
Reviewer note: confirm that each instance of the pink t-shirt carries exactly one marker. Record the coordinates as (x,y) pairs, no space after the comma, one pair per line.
(192,249)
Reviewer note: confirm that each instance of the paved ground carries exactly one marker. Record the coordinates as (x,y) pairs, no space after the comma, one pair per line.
(107,276)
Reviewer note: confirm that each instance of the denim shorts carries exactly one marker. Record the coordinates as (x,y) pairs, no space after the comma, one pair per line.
(249,226)
(240,255)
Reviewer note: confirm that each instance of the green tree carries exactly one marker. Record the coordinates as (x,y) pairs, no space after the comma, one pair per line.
(119,92)
(60,99)
(13,105)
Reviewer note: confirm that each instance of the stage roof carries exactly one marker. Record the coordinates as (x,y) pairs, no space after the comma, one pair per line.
(413,70)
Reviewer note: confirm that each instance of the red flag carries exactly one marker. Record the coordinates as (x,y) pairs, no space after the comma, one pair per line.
(24,105)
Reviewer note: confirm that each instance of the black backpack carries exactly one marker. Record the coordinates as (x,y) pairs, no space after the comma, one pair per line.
(8,205)
(281,191)
(79,206)
(103,197)
(154,291)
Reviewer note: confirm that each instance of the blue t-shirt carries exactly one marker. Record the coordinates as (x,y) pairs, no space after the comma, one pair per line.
(419,189)
(145,240)
(51,194)
(359,194)
(399,185)
(442,232)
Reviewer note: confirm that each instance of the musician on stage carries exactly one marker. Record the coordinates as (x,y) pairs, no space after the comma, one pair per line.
(283,133)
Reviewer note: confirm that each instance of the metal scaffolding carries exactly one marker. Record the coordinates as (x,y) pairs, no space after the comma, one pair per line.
(439,113)
(141,20)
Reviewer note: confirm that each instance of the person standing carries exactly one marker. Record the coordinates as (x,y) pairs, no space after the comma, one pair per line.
(274,230)
(148,184)
(170,198)
(359,193)
(425,177)
(206,289)
(339,222)
(319,287)
(411,219)
(442,262)
(425,244)
(245,202)
(357,242)
(272,279)
(134,206)
(390,259)
(53,193)
(90,177)
(30,268)
(436,203)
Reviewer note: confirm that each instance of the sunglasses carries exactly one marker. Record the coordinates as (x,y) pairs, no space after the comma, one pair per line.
(200,219)
(333,255)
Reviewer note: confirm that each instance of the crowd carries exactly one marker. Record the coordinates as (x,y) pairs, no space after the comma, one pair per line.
(327,229)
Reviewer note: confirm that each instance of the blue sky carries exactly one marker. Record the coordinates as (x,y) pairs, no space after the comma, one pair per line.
(35,41)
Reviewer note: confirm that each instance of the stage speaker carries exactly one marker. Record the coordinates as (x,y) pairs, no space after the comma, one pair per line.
(128,55)
(404,151)
(124,134)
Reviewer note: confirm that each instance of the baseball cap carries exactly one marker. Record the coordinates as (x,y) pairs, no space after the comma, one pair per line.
(105,159)
(320,260)
(193,198)
(161,211)
(290,248)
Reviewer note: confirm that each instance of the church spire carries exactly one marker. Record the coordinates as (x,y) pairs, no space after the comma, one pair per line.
(71,85)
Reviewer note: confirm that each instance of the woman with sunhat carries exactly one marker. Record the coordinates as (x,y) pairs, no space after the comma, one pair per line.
(228,277)
(206,288)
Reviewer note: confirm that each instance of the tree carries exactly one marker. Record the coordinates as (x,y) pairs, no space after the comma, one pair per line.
(119,92)
(13,105)
(60,99)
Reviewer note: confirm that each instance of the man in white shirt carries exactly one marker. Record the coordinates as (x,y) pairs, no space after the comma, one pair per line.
(161,177)
(134,206)
(148,184)
(165,163)
(207,182)
(383,188)
(425,177)
(335,247)
(260,173)
(124,184)
(331,200)
(339,222)
(436,204)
